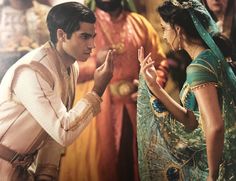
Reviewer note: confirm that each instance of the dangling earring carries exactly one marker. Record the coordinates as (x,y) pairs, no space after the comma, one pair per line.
(180,47)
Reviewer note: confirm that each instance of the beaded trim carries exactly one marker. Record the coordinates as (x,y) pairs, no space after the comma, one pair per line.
(203,85)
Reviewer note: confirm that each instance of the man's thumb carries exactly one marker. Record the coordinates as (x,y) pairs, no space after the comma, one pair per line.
(109,59)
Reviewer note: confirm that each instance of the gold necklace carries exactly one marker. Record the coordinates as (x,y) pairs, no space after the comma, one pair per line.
(119,47)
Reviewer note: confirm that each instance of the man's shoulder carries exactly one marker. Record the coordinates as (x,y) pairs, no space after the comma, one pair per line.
(37,61)
(138,17)
(34,55)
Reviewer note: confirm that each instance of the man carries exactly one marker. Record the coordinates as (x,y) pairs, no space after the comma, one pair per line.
(37,93)
(116,144)
(23,28)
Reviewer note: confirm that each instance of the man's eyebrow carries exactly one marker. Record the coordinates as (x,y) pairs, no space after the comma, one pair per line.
(88,34)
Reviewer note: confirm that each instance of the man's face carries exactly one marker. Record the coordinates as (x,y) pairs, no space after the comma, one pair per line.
(81,43)
(108,5)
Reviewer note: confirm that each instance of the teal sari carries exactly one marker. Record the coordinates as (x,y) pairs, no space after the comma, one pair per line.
(165,149)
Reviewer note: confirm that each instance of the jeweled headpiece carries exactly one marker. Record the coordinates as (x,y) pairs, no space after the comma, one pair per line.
(184,5)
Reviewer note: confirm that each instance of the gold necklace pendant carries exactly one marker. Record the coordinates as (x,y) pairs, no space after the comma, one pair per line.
(119,47)
(119,44)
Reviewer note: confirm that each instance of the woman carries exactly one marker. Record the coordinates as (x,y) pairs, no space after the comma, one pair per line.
(224,13)
(195,140)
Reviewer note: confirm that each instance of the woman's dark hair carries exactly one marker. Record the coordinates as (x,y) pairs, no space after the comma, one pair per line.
(178,16)
(68,16)
(178,62)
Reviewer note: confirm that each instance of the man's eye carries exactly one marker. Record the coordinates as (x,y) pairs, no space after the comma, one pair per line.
(85,37)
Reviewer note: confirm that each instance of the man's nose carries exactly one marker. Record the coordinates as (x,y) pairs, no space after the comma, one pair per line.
(91,44)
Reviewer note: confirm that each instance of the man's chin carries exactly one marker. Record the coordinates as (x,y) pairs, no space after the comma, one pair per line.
(82,59)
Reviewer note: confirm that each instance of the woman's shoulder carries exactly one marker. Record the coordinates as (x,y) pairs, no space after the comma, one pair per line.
(206,59)
(205,54)
(203,69)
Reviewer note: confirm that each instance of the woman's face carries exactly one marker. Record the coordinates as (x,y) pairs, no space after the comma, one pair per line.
(217,6)
(170,35)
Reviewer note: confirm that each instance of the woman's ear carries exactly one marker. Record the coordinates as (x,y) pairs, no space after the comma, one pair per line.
(61,35)
(178,30)
(180,37)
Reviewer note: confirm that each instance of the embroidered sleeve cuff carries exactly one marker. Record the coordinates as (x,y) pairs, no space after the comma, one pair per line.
(95,100)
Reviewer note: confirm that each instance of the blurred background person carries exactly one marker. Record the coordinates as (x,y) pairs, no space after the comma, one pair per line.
(111,153)
(23,27)
(224,13)
(55,2)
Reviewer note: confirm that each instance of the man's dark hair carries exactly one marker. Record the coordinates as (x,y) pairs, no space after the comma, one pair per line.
(67,16)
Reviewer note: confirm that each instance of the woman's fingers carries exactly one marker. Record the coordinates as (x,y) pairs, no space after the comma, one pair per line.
(141,55)
(147,66)
(146,60)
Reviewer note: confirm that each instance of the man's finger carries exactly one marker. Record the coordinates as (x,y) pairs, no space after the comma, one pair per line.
(109,60)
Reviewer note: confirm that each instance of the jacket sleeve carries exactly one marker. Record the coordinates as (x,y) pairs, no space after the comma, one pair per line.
(46,107)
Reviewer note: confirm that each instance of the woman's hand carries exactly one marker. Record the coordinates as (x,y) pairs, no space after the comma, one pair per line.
(148,71)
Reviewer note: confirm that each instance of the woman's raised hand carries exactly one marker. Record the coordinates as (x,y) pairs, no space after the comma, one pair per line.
(148,70)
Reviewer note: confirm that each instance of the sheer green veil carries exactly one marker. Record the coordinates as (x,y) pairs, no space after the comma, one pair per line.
(207,34)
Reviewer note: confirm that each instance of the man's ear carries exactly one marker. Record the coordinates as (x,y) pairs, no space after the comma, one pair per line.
(61,35)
